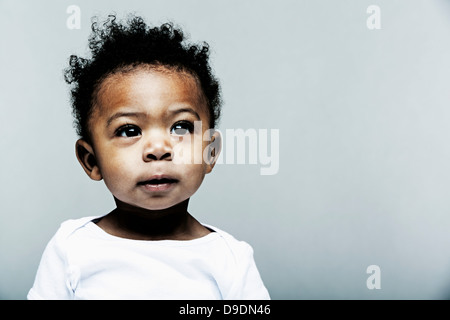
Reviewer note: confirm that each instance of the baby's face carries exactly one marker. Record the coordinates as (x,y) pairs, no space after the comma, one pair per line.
(141,127)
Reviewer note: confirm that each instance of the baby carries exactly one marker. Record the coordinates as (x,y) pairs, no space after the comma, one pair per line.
(142,103)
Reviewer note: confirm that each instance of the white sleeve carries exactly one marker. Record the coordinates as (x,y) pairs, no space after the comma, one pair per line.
(53,277)
(248,284)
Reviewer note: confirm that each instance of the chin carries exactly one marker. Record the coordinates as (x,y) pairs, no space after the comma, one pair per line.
(157,207)
(161,205)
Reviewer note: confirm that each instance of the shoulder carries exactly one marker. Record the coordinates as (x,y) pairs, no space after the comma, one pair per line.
(69,227)
(240,250)
(244,280)
(55,277)
(66,230)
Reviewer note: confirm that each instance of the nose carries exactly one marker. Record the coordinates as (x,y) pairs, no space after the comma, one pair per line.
(157,147)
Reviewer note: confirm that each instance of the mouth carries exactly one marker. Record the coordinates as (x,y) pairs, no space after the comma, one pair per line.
(158,183)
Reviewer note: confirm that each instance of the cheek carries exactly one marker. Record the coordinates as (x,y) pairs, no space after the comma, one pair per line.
(194,175)
(188,150)
(113,166)
(191,161)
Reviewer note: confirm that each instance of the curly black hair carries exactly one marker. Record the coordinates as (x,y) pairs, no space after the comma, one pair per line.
(117,46)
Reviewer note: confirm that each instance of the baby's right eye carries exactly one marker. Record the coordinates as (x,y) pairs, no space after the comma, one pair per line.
(128,131)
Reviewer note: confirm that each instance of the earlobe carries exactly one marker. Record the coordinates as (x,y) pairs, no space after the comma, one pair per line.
(86,157)
(213,150)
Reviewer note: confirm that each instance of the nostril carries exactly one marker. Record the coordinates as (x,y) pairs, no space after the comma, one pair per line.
(157,150)
(165,156)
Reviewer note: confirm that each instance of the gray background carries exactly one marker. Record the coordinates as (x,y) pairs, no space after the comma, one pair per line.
(364,139)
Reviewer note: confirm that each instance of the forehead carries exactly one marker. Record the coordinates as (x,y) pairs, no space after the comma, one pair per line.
(149,89)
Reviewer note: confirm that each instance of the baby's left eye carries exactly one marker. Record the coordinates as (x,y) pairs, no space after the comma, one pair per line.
(182,128)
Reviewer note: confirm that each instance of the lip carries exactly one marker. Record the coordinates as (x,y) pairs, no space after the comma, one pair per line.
(158,183)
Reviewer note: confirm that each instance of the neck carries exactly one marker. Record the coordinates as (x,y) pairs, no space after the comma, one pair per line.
(132,222)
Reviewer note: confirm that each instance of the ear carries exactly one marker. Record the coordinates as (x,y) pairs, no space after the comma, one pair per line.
(213,151)
(86,157)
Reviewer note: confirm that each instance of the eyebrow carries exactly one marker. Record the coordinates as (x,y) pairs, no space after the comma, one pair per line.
(124,114)
(188,110)
(142,114)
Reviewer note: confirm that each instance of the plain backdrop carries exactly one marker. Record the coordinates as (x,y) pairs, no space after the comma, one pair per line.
(363,118)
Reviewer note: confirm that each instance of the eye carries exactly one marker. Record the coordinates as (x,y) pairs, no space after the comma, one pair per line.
(182,128)
(128,131)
